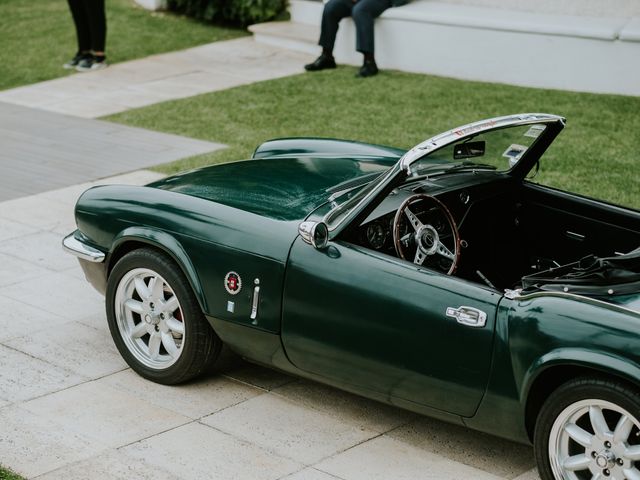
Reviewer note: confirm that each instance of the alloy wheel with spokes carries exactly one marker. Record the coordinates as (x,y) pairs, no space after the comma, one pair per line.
(155,319)
(149,318)
(589,429)
(595,438)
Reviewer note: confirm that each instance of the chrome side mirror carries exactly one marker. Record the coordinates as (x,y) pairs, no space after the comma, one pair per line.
(314,233)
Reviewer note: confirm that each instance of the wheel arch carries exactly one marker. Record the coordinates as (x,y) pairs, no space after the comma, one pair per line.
(134,238)
(560,366)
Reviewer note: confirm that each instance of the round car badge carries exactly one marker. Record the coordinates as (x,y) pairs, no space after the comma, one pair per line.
(232,283)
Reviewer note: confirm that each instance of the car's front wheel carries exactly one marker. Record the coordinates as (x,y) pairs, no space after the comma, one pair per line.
(155,319)
(589,428)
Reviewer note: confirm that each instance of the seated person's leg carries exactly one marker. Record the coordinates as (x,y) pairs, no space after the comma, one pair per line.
(364,13)
(334,11)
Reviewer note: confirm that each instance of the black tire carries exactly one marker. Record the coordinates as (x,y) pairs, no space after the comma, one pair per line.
(197,345)
(567,405)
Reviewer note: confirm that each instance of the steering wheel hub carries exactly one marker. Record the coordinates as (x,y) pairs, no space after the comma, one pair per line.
(427,239)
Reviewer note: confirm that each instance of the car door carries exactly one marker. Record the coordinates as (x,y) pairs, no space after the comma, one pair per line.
(370,321)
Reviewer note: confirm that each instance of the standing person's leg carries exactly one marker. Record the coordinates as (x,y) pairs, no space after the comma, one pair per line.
(334,11)
(364,13)
(81,23)
(98,30)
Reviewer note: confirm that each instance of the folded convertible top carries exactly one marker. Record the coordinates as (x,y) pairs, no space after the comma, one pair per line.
(591,275)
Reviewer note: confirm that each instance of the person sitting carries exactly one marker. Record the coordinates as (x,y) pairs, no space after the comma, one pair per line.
(364,12)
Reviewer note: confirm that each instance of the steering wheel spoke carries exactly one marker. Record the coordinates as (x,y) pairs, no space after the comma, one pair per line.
(420,257)
(443,251)
(415,223)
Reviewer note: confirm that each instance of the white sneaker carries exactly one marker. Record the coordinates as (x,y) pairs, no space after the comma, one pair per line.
(91,63)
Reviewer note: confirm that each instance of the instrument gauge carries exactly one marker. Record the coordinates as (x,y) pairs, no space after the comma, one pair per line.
(376,235)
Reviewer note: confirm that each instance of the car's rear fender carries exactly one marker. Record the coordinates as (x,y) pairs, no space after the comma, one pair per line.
(548,329)
(563,364)
(552,338)
(582,359)
(138,237)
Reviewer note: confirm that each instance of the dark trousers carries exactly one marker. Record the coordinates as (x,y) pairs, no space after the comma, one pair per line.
(363,12)
(91,24)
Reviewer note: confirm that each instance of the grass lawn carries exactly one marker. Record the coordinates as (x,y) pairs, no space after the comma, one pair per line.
(8,475)
(596,154)
(38,36)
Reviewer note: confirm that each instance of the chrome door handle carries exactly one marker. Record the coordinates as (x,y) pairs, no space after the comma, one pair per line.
(469,316)
(254,303)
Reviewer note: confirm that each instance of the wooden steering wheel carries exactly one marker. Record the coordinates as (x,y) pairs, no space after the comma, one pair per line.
(427,237)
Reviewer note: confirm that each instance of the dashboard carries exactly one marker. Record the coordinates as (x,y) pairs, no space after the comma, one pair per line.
(457,194)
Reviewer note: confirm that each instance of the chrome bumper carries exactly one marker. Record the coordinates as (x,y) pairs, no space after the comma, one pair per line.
(81,250)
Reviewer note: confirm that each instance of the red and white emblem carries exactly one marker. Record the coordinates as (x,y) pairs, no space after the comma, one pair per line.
(232,283)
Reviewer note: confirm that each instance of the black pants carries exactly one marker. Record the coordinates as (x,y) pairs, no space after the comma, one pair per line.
(363,12)
(91,24)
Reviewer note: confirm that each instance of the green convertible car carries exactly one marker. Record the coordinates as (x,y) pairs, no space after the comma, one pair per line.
(441,279)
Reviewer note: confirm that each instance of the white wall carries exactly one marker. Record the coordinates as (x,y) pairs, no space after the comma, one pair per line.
(594,8)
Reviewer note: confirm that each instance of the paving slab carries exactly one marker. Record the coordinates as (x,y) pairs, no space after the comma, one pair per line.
(58,293)
(383,458)
(311,474)
(23,377)
(15,270)
(43,150)
(459,444)
(10,229)
(38,212)
(112,464)
(104,414)
(74,347)
(32,444)
(288,429)
(349,408)
(97,319)
(41,248)
(529,475)
(19,319)
(196,451)
(195,400)
(232,366)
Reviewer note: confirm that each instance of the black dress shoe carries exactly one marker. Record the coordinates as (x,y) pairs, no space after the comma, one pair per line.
(368,69)
(321,63)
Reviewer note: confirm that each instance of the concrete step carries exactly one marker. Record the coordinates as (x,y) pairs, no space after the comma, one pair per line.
(300,37)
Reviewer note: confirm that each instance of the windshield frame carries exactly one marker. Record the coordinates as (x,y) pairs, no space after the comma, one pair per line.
(339,217)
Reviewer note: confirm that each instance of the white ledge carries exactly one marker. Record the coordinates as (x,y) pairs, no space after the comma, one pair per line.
(607,28)
(631,31)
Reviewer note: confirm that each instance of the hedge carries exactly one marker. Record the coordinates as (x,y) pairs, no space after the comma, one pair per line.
(238,12)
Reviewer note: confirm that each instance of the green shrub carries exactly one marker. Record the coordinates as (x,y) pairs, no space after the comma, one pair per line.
(238,12)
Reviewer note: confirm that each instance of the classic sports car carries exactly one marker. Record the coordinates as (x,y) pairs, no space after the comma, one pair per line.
(421,278)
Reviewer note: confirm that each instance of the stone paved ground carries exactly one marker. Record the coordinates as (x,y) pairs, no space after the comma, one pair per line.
(154,79)
(44,151)
(71,409)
